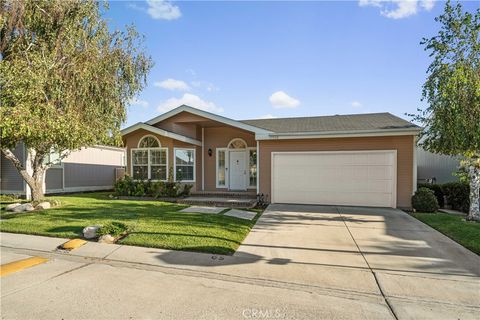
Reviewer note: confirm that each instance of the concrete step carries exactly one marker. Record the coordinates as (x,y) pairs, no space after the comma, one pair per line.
(219,202)
(225,194)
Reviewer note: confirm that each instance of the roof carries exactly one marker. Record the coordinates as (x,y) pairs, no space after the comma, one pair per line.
(337,123)
(373,124)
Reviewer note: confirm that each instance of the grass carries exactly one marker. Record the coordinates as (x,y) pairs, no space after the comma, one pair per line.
(155,224)
(455,227)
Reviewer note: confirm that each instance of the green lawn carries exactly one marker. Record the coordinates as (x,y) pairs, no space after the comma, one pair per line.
(155,224)
(455,227)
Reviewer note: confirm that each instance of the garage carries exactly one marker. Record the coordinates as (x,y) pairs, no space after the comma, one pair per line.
(360,178)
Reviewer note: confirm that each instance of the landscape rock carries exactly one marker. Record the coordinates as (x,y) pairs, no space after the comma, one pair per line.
(106,239)
(90,232)
(23,207)
(43,206)
(10,207)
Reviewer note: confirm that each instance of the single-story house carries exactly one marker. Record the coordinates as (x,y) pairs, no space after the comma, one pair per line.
(88,169)
(364,159)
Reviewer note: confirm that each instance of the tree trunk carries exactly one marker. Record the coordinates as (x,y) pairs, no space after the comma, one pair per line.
(474,174)
(35,179)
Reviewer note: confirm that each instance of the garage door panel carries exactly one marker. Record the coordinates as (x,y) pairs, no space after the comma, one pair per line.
(344,178)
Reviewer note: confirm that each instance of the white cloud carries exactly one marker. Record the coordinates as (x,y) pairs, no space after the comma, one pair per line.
(189,100)
(356,104)
(281,100)
(267,116)
(139,102)
(163,10)
(172,84)
(398,9)
(205,85)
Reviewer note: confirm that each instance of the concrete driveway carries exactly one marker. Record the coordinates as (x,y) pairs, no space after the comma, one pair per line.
(298,262)
(419,272)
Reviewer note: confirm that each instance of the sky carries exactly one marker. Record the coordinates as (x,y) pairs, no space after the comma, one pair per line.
(271,59)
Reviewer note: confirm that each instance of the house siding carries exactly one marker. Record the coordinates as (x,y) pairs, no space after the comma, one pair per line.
(10,179)
(403,144)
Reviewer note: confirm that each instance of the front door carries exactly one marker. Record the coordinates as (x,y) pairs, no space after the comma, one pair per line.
(238,171)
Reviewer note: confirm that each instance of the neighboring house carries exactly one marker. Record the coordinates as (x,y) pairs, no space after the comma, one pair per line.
(87,169)
(436,168)
(365,159)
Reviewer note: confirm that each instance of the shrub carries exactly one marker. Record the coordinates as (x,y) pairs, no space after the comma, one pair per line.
(437,189)
(186,189)
(458,195)
(124,186)
(171,189)
(113,228)
(424,200)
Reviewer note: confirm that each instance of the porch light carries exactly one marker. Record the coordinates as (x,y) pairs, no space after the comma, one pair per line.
(210,152)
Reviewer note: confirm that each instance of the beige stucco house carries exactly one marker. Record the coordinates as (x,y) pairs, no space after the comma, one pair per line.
(365,159)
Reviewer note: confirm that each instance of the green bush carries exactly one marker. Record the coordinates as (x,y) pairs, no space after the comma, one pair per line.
(458,195)
(424,200)
(113,228)
(129,187)
(437,189)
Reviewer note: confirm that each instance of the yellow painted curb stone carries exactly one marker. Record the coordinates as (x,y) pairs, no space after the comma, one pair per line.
(73,244)
(15,266)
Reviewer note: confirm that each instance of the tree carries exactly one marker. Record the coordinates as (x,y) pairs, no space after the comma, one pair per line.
(65,80)
(452,91)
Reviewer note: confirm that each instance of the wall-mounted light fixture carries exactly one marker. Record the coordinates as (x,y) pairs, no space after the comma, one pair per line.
(210,152)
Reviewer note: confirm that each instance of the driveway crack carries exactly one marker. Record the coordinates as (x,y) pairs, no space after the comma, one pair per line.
(385,298)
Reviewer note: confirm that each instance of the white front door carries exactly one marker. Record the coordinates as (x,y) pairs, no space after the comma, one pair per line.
(238,170)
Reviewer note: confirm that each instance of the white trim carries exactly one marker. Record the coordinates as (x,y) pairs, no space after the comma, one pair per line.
(258,166)
(108,148)
(203,159)
(146,136)
(244,142)
(338,134)
(148,163)
(226,168)
(175,163)
(207,115)
(394,199)
(160,132)
(414,189)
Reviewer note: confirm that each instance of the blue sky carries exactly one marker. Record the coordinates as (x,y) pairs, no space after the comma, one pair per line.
(280,59)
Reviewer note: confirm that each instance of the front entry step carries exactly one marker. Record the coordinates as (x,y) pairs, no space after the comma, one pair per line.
(225,194)
(219,202)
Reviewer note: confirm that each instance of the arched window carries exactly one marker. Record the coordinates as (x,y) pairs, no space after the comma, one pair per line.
(237,144)
(149,142)
(149,160)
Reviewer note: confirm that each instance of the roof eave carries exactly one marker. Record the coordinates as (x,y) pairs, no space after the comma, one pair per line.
(339,134)
(161,132)
(208,115)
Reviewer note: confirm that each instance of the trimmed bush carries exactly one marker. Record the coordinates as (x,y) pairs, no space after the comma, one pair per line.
(458,195)
(424,200)
(437,189)
(129,187)
(113,228)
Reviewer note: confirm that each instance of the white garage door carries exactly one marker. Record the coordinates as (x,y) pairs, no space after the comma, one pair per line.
(363,178)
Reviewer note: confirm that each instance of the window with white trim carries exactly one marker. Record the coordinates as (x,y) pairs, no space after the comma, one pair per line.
(252,167)
(221,167)
(149,160)
(184,164)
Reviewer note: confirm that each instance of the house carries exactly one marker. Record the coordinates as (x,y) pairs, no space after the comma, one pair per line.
(87,169)
(365,159)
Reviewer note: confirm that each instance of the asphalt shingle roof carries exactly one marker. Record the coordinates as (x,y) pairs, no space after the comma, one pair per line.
(336,123)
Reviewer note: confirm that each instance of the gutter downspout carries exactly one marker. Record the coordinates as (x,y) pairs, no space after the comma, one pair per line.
(258,167)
